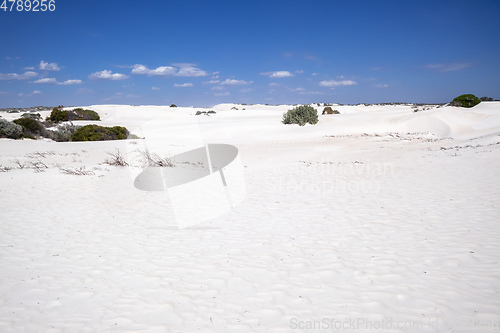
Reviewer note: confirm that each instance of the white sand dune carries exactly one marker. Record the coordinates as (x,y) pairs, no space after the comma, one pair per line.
(377,219)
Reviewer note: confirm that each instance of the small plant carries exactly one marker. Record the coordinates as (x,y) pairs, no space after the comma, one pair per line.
(328,110)
(155,160)
(206,113)
(465,101)
(116,159)
(4,168)
(301,115)
(99,133)
(77,172)
(39,166)
(173,106)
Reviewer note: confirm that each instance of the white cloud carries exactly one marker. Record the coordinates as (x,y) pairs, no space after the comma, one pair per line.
(4,92)
(47,80)
(45,66)
(51,80)
(298,89)
(35,92)
(451,67)
(231,82)
(31,68)
(211,82)
(70,82)
(226,93)
(333,83)
(278,74)
(299,71)
(15,76)
(155,88)
(181,70)
(218,88)
(183,85)
(381,85)
(188,70)
(246,90)
(107,75)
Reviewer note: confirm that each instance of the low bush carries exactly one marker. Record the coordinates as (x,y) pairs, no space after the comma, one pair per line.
(81,114)
(465,101)
(486,99)
(329,110)
(10,130)
(35,116)
(173,106)
(301,115)
(32,127)
(58,115)
(99,133)
(64,132)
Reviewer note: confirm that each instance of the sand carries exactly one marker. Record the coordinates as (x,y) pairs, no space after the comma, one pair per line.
(377,219)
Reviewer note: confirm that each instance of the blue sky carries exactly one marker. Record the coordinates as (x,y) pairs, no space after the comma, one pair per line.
(200,53)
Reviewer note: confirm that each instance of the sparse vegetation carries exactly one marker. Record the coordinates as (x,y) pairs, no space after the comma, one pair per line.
(77,172)
(465,101)
(329,110)
(149,159)
(173,106)
(116,159)
(301,115)
(206,113)
(99,133)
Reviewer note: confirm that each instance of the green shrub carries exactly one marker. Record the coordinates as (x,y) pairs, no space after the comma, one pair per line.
(465,101)
(487,99)
(10,130)
(32,127)
(301,115)
(328,110)
(58,115)
(81,114)
(173,106)
(99,133)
